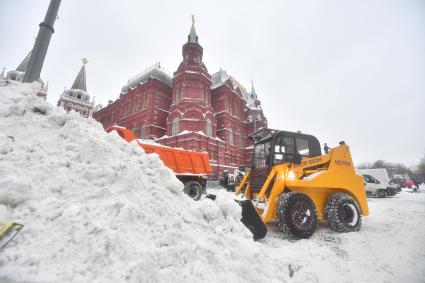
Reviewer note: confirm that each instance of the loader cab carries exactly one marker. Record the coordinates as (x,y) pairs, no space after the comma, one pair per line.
(277,148)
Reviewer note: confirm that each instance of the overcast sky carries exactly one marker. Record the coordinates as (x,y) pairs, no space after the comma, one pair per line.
(340,70)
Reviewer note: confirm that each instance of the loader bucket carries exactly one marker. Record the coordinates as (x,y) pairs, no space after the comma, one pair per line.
(252,220)
(8,231)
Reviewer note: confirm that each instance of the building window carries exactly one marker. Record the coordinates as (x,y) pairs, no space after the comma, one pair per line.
(178,94)
(142,131)
(209,128)
(205,96)
(175,126)
(144,101)
(231,136)
(134,105)
(241,141)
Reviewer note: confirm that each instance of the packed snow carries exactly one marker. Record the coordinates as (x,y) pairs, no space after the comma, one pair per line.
(97,209)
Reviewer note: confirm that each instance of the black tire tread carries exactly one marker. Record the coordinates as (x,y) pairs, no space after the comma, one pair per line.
(331,213)
(287,227)
(198,186)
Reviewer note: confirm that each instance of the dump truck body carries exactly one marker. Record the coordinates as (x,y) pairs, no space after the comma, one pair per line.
(192,168)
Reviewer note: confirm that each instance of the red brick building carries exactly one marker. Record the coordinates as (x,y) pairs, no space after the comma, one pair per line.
(192,110)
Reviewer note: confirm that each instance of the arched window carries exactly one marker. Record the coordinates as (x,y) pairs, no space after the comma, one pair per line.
(175,126)
(209,128)
(142,131)
(231,136)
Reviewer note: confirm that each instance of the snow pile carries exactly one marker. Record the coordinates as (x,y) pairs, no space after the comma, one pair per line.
(97,209)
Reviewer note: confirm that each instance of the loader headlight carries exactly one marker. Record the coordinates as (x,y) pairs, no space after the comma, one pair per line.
(291,175)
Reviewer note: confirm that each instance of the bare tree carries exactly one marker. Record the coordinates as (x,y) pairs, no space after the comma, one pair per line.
(420,169)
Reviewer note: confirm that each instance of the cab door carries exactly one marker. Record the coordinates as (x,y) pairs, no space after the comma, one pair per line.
(260,167)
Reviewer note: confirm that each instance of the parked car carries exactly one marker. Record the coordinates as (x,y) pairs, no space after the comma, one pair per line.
(374,187)
(396,185)
(400,181)
(393,189)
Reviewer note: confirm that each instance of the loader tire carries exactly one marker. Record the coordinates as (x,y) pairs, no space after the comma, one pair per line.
(342,213)
(193,189)
(297,215)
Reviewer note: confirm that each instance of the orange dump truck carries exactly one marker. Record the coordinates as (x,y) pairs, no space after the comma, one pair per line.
(191,168)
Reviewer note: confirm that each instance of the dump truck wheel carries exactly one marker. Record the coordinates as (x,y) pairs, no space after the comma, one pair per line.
(342,213)
(297,215)
(193,189)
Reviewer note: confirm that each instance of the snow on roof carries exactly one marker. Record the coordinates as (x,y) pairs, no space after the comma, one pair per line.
(154,71)
(220,78)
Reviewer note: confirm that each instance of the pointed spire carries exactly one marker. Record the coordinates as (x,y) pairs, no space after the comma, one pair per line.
(193,37)
(24,64)
(253,93)
(80,81)
(2,73)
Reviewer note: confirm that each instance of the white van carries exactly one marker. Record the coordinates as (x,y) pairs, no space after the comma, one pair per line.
(374,187)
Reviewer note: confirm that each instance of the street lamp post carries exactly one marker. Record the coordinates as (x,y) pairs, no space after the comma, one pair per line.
(42,43)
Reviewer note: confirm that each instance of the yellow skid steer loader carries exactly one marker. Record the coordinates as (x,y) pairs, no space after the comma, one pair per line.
(292,184)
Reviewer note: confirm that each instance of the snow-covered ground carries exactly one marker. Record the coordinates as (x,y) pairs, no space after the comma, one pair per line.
(97,209)
(390,247)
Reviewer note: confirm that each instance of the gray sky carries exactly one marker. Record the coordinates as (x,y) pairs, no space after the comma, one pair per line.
(340,70)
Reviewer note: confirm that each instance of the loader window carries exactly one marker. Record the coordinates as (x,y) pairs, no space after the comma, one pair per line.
(261,155)
(302,147)
(288,144)
(279,150)
(282,145)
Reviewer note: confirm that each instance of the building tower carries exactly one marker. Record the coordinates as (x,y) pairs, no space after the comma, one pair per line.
(192,110)
(19,73)
(191,99)
(76,98)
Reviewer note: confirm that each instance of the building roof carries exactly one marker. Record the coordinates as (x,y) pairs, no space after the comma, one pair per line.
(193,37)
(24,64)
(220,78)
(253,93)
(80,80)
(154,71)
